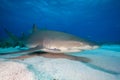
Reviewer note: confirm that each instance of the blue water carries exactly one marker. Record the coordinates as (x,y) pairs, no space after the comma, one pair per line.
(97,20)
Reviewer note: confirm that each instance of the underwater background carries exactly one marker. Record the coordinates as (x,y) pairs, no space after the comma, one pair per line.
(96,20)
(92,20)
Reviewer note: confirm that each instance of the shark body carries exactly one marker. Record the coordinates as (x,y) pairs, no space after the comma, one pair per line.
(51,41)
(57,42)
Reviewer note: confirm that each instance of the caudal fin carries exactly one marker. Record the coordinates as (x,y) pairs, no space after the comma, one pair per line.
(11,35)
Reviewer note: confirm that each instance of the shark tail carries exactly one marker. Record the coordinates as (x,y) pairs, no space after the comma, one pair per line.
(11,35)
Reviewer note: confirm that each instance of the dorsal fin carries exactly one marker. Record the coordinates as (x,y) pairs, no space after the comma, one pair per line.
(34,28)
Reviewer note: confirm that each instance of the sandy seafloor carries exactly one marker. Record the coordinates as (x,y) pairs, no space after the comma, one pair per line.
(104,65)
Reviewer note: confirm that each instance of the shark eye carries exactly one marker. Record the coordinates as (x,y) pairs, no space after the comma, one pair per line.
(55,49)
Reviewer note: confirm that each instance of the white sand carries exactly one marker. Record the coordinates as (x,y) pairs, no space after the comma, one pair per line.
(63,69)
(106,63)
(14,71)
(106,60)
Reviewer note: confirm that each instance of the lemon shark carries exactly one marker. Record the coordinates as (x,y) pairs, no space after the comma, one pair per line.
(55,42)
(51,41)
